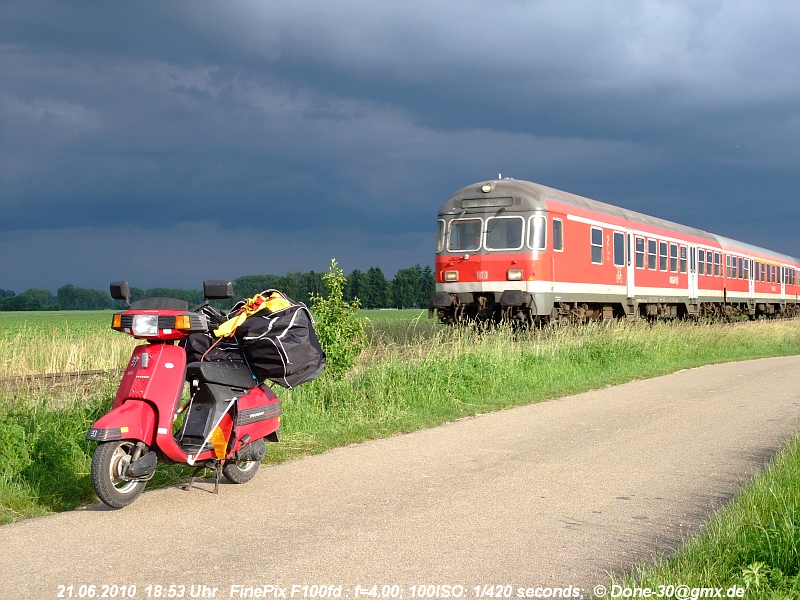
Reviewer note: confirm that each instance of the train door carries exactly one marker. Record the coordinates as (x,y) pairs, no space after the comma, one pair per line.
(752,280)
(782,271)
(693,273)
(630,266)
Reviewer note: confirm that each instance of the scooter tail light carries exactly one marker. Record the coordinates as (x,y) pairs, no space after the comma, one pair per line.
(116,321)
(183,322)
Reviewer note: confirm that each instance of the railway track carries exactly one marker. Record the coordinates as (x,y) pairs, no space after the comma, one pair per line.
(54,380)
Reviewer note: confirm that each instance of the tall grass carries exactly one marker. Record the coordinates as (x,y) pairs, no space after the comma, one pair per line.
(433,376)
(60,342)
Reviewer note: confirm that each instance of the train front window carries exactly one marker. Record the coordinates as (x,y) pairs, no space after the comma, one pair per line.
(504,233)
(465,234)
(537,232)
(440,237)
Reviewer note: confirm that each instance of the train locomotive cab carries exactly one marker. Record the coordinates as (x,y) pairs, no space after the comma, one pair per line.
(491,247)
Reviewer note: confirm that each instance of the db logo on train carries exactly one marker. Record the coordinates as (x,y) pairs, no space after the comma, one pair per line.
(482,274)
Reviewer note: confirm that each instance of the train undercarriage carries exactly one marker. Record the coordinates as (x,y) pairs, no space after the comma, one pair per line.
(520,308)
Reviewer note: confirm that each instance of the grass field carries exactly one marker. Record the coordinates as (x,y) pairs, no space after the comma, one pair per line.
(416,374)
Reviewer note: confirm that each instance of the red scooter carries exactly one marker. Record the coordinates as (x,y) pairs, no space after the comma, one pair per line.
(228,416)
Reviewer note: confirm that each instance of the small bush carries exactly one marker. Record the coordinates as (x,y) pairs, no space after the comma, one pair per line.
(341,333)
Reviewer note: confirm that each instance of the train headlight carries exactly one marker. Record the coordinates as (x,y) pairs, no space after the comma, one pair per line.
(451,275)
(514,275)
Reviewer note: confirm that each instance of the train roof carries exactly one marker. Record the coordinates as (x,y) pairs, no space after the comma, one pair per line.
(532,196)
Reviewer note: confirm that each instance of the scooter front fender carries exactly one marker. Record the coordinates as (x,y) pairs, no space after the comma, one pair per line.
(132,420)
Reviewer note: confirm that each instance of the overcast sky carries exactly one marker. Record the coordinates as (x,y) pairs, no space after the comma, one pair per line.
(167,142)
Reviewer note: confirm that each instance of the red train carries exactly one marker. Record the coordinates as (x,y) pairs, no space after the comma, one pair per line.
(520,251)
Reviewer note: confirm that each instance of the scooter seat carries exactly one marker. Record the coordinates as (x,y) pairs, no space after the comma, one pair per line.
(236,374)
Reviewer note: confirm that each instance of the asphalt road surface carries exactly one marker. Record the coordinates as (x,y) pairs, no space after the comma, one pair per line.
(553,494)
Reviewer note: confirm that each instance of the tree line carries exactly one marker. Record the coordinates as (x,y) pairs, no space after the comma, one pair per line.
(410,288)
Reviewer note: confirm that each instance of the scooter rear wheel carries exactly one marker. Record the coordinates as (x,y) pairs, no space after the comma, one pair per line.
(240,471)
(108,463)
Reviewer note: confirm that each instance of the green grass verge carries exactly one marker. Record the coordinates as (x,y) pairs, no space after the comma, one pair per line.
(753,543)
(438,376)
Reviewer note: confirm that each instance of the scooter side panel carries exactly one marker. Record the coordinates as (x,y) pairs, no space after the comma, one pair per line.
(259,414)
(133,420)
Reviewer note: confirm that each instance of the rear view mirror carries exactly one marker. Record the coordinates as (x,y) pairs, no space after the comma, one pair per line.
(120,290)
(217,289)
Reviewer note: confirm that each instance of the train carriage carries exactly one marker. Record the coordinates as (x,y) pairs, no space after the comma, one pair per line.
(521,251)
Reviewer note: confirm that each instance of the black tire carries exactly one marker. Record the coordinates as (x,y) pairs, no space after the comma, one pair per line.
(240,471)
(107,463)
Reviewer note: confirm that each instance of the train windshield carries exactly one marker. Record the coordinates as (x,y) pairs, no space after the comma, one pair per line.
(504,233)
(465,234)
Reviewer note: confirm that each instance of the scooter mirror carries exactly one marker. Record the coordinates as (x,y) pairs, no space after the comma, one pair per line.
(217,289)
(120,290)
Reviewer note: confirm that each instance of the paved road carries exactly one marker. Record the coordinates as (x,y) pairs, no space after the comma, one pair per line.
(555,494)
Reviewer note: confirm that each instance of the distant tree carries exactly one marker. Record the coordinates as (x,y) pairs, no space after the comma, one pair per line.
(193,297)
(31,299)
(427,285)
(352,288)
(250,285)
(377,289)
(406,287)
(6,294)
(76,298)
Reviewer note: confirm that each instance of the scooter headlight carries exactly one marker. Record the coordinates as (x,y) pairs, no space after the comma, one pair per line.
(145,325)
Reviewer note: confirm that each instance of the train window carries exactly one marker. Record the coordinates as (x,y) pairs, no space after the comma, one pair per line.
(558,235)
(673,257)
(717,264)
(640,253)
(537,233)
(756,271)
(741,268)
(619,249)
(440,237)
(683,259)
(773,275)
(662,256)
(597,246)
(701,262)
(504,233)
(651,255)
(465,234)
(746,268)
(728,266)
(709,261)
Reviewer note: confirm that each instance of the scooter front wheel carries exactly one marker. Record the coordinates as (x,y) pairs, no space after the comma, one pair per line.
(108,463)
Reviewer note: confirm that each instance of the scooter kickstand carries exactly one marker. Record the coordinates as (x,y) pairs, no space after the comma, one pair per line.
(216,479)
(188,488)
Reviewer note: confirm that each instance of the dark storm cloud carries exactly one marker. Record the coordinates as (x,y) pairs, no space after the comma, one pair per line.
(337,129)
